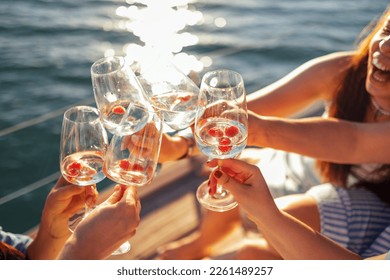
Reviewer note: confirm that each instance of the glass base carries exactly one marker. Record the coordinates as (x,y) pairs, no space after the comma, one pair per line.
(123,249)
(219,202)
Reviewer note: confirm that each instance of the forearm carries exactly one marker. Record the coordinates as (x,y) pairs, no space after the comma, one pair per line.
(326,139)
(295,240)
(45,246)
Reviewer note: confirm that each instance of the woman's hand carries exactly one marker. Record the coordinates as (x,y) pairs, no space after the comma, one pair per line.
(63,201)
(106,227)
(246,183)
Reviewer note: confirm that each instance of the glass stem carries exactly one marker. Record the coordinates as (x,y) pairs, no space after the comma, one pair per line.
(220,191)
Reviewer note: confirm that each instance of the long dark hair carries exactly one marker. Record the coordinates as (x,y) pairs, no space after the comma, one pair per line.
(351,103)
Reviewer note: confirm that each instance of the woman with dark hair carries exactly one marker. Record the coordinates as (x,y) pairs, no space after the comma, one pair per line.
(348,144)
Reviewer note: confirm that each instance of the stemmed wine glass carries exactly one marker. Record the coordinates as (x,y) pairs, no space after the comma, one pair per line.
(170,91)
(221,128)
(116,90)
(82,149)
(131,159)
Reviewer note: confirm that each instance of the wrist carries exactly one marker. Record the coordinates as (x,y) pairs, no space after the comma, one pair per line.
(45,246)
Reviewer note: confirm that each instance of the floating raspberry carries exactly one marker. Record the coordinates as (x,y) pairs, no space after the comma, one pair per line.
(74,169)
(224,141)
(124,164)
(224,145)
(224,149)
(137,167)
(75,165)
(231,131)
(215,132)
(184,98)
(119,110)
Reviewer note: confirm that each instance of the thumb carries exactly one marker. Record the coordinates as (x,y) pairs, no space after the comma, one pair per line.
(116,195)
(228,182)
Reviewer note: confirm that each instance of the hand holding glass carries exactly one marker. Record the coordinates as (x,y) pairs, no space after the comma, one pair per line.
(131,159)
(82,148)
(221,128)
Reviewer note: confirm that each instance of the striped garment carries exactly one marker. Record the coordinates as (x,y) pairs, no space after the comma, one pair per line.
(355,218)
(18,241)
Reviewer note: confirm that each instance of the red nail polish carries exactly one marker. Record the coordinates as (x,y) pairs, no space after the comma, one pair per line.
(218,174)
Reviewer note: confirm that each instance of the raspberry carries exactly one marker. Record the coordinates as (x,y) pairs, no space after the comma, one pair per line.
(224,141)
(215,132)
(231,131)
(137,167)
(74,169)
(119,110)
(184,98)
(224,149)
(75,165)
(124,164)
(224,145)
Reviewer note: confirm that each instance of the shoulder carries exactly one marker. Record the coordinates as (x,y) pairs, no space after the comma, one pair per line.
(326,72)
(336,60)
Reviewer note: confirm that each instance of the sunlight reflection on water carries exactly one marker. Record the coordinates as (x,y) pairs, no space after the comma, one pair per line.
(161,26)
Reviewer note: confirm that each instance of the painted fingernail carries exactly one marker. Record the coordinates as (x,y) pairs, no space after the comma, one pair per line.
(218,174)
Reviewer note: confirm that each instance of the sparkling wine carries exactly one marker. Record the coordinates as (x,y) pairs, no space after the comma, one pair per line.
(130,171)
(116,111)
(113,113)
(83,168)
(220,137)
(178,108)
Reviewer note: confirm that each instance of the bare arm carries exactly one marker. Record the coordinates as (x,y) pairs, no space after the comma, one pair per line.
(315,80)
(290,237)
(326,139)
(295,240)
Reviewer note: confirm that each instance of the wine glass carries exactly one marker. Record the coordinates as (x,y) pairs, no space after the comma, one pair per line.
(221,128)
(170,91)
(131,159)
(82,149)
(116,90)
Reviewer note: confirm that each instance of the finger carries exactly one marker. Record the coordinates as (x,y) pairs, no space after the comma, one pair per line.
(91,195)
(65,193)
(116,195)
(91,190)
(212,186)
(239,170)
(132,199)
(131,196)
(212,163)
(227,182)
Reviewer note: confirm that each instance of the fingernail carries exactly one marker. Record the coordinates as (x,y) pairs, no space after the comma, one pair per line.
(218,174)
